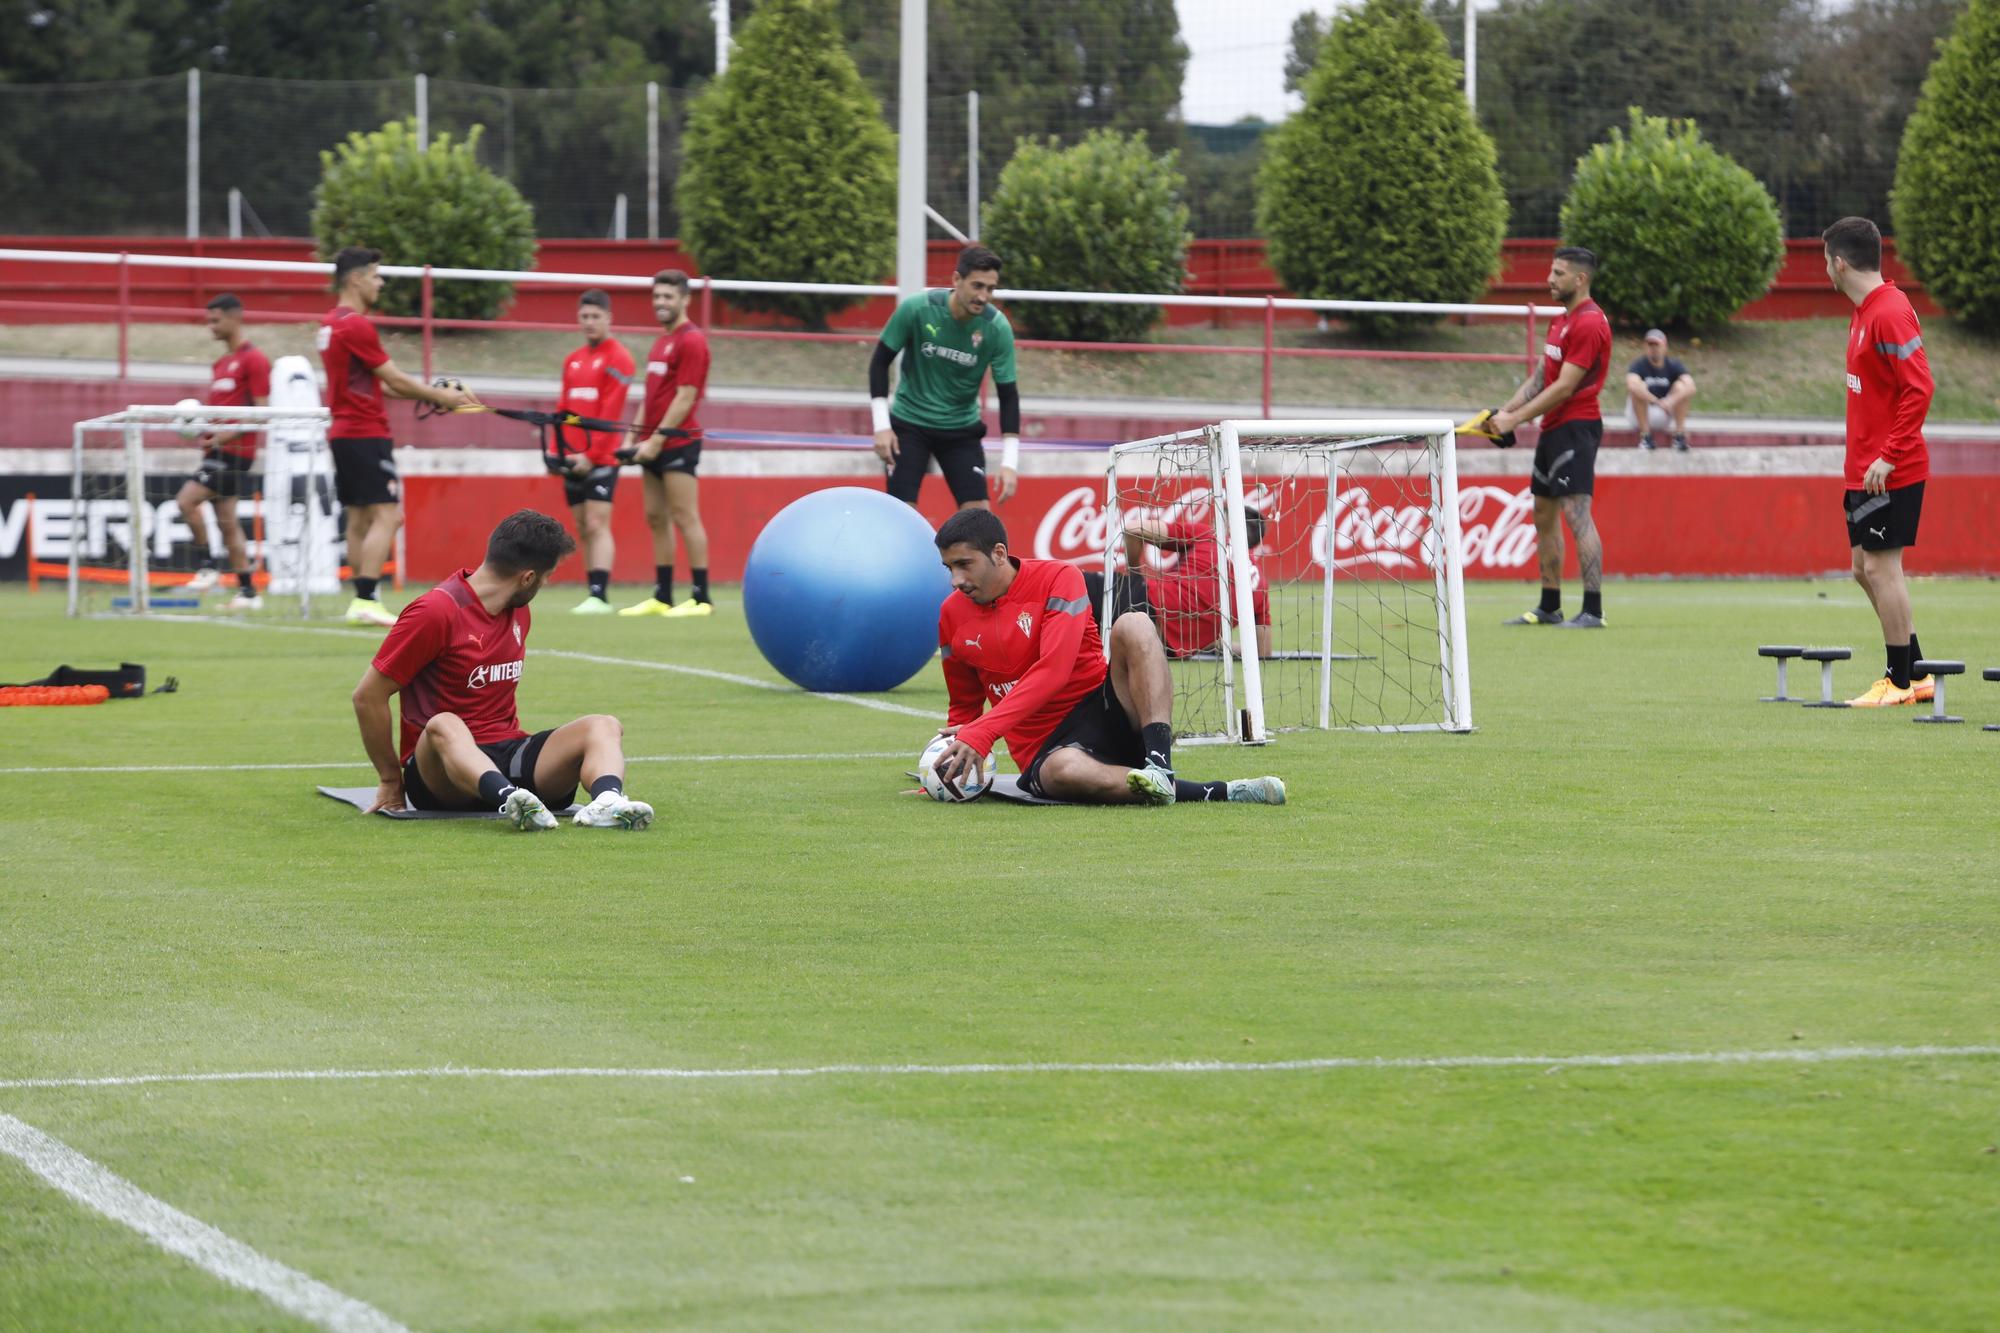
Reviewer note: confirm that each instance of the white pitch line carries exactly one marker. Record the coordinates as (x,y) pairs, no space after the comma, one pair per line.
(705,673)
(1634,1060)
(208,1249)
(358,764)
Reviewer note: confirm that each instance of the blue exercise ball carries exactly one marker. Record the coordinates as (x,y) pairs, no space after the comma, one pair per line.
(842,591)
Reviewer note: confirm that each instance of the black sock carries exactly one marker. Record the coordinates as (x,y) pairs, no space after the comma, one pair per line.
(1899,665)
(365,588)
(1200,791)
(663,584)
(600,583)
(1593,603)
(1552,600)
(245,582)
(493,788)
(1916,653)
(609,782)
(1159,741)
(699,577)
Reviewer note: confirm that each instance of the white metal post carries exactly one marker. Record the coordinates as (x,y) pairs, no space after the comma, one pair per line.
(79,520)
(1114,542)
(653,161)
(911,152)
(1326,597)
(972,164)
(1471,54)
(423,113)
(721,11)
(618,218)
(135,506)
(1246,614)
(235,214)
(194,154)
(1451,551)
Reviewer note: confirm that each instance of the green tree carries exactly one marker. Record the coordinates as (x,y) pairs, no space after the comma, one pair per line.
(790,172)
(435,206)
(1947,197)
(1103,215)
(1308,35)
(1684,235)
(1382,188)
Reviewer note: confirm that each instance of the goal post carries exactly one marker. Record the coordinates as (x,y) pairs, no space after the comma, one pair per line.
(124,533)
(1303,574)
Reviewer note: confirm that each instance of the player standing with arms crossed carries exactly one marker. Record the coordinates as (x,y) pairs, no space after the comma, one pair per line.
(676,379)
(241,377)
(1888,392)
(595,379)
(358,373)
(948,339)
(1564,394)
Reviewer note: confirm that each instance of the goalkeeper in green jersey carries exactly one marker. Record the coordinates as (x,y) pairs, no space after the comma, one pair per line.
(948,340)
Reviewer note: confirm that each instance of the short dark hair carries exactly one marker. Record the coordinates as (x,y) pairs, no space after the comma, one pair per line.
(981,529)
(976,259)
(1858,241)
(228,303)
(596,296)
(1253,527)
(528,539)
(1578,257)
(351,258)
(671,277)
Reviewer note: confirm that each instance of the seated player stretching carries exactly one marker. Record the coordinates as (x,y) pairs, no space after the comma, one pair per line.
(1018,635)
(1186,597)
(455,655)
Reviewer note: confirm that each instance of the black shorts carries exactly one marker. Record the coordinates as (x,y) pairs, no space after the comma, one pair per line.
(223,474)
(1566,459)
(600,483)
(1885,522)
(1097,726)
(364,472)
(516,761)
(676,458)
(960,456)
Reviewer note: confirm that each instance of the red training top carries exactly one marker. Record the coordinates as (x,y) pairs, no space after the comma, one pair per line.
(1582,337)
(239,379)
(350,349)
(678,358)
(451,657)
(1888,389)
(595,381)
(1031,654)
(1187,596)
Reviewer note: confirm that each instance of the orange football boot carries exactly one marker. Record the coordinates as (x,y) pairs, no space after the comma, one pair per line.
(1883,694)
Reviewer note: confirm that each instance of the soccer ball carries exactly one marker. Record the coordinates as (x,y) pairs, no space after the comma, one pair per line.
(187,427)
(938,789)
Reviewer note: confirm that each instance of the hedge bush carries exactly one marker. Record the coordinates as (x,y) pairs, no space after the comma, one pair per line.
(440,207)
(1383,187)
(788,170)
(1684,235)
(1946,200)
(1102,215)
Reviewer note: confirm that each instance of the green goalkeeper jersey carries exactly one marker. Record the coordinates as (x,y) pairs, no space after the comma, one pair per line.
(945,358)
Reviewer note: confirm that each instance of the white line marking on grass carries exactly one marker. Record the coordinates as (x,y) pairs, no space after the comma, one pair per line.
(358,763)
(729,677)
(1635,1060)
(175,1232)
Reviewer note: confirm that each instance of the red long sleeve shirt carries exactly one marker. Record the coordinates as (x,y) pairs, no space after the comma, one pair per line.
(1888,389)
(1031,655)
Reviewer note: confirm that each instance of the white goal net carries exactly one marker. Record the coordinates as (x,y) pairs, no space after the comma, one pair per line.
(130,547)
(1303,574)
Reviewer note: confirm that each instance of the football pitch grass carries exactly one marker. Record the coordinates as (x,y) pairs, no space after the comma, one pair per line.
(1630,858)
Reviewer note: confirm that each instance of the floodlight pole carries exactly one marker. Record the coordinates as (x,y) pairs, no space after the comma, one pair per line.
(1472,54)
(721,12)
(911,151)
(194,154)
(423,113)
(972,163)
(652,161)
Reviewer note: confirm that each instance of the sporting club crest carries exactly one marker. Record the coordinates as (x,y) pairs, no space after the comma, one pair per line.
(1026,622)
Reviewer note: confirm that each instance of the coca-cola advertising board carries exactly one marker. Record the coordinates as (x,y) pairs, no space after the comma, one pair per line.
(1731,526)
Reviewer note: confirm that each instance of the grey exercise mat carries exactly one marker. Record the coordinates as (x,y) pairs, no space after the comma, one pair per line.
(361,797)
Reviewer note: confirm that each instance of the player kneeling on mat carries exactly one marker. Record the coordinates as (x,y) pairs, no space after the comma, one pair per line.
(455,655)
